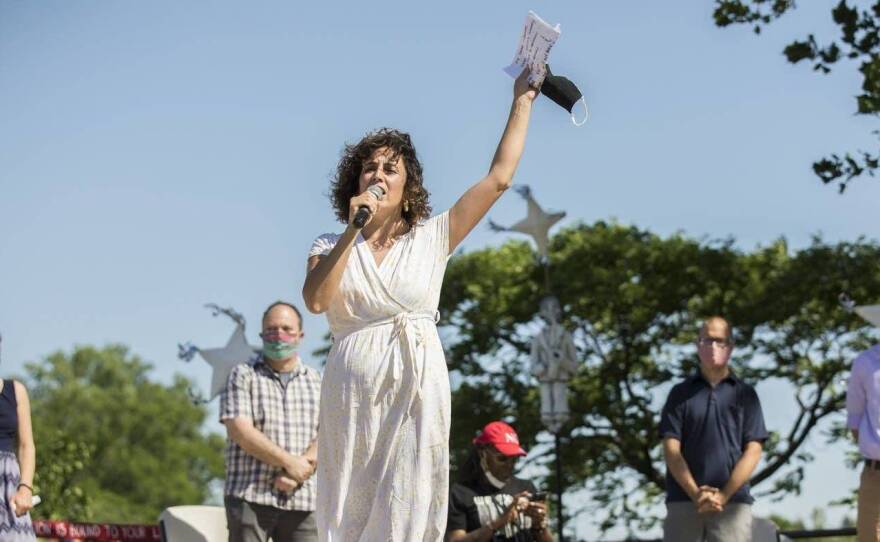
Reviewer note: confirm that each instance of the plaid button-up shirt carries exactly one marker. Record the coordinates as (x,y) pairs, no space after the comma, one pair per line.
(287,415)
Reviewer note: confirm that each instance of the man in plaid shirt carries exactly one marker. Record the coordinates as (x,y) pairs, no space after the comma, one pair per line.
(270,411)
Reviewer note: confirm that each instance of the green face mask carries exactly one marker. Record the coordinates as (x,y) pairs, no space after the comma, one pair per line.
(278,350)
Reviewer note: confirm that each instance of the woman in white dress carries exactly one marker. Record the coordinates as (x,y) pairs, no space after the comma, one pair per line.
(383,442)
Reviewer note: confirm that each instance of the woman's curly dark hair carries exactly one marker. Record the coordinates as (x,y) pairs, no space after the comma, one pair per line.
(345,183)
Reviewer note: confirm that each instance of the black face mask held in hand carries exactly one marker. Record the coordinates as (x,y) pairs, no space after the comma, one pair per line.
(562,91)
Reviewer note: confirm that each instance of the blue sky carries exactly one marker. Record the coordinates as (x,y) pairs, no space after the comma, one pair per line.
(157,156)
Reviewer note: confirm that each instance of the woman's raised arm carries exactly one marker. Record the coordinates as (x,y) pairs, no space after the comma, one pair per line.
(475,203)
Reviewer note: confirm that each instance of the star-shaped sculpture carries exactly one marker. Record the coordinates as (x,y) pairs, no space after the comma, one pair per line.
(222,360)
(536,224)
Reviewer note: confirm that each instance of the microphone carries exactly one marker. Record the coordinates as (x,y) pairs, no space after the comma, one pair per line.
(363,212)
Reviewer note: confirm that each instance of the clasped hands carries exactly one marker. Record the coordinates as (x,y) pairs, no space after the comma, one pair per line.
(297,469)
(710,500)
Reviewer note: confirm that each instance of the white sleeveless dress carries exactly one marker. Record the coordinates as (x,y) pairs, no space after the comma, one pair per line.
(383,438)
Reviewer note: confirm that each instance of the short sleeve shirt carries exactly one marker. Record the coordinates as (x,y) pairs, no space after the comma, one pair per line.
(714,425)
(863,402)
(476,504)
(287,414)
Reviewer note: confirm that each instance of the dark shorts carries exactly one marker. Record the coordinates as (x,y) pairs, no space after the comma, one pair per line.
(249,522)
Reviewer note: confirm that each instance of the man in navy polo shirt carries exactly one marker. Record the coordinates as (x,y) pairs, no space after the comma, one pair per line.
(713,432)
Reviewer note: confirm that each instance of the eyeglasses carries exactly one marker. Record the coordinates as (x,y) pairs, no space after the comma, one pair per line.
(501,458)
(710,341)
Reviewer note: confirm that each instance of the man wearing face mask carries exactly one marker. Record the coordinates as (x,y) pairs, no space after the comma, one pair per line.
(270,410)
(489,503)
(713,431)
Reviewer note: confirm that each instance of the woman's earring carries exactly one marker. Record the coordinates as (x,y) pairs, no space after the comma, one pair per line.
(405,206)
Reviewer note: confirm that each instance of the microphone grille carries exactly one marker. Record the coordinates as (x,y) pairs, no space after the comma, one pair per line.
(377,191)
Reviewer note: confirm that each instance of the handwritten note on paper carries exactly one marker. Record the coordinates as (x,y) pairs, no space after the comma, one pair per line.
(533,50)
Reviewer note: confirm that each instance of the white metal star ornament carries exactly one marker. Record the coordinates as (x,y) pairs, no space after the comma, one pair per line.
(222,360)
(536,224)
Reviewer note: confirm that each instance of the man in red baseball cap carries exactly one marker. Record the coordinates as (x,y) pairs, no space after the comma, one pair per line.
(489,503)
(502,449)
(502,436)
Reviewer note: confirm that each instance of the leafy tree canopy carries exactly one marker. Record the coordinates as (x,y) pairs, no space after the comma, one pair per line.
(634,301)
(859,41)
(114,445)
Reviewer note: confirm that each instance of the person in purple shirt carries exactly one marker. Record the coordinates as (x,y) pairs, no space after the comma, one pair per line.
(863,419)
(713,431)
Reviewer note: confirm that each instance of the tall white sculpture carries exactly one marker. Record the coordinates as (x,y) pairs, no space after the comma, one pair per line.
(554,363)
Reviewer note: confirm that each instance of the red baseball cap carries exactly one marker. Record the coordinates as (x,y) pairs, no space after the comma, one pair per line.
(502,437)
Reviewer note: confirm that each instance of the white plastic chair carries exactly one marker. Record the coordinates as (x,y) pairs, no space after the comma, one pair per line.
(194,524)
(764,530)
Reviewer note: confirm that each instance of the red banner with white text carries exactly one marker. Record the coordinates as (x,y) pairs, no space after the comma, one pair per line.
(96,532)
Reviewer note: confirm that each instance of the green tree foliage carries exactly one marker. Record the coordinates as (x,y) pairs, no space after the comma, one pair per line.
(633,301)
(113,445)
(63,459)
(859,41)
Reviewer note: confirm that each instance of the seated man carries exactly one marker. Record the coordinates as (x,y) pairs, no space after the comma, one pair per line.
(489,503)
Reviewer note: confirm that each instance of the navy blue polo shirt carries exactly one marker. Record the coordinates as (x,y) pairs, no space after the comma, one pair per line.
(714,425)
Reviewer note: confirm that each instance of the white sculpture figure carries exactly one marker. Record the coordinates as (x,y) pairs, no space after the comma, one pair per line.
(554,363)
(536,224)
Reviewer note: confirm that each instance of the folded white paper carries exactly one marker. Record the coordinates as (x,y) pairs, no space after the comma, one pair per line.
(533,51)
(35,500)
